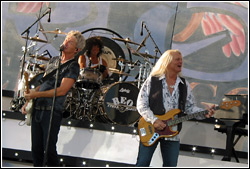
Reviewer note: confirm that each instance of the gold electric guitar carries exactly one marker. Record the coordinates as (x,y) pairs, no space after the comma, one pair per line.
(149,135)
(29,107)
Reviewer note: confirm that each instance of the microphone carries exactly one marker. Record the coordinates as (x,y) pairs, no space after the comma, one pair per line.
(142,23)
(62,47)
(142,44)
(49,14)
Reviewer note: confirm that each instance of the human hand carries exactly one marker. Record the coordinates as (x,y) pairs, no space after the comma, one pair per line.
(159,124)
(210,111)
(23,108)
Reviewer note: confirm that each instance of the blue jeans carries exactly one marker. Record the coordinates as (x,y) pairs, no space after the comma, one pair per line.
(169,151)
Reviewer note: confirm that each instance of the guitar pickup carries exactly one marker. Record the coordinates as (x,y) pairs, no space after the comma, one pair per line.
(143,132)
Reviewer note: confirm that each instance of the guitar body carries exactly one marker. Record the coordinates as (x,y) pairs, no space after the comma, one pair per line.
(29,109)
(149,135)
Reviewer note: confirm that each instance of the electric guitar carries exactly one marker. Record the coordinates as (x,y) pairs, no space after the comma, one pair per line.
(29,107)
(149,135)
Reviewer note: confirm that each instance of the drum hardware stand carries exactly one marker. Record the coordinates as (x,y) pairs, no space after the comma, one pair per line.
(122,67)
(156,51)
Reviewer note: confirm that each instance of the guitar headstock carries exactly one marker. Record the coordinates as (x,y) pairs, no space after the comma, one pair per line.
(226,105)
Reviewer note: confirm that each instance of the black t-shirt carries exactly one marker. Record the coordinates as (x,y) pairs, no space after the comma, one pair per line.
(69,71)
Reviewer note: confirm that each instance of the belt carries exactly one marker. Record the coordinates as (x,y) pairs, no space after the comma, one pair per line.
(43,107)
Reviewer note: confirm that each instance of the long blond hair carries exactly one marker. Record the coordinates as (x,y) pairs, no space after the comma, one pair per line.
(161,65)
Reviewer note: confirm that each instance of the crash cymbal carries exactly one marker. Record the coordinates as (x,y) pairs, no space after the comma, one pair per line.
(40,57)
(127,40)
(122,60)
(57,31)
(145,55)
(37,39)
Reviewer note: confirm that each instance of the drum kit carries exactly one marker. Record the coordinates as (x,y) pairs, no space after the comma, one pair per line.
(90,98)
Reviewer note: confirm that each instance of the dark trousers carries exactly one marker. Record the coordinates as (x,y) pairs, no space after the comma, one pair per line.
(39,131)
(169,151)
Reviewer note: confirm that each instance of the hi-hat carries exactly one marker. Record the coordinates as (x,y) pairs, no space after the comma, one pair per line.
(37,39)
(127,40)
(57,31)
(40,57)
(116,71)
(145,55)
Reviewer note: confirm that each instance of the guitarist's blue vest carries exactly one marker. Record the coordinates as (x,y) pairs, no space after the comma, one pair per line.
(156,98)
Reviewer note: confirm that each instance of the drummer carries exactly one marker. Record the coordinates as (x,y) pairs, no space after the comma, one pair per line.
(94,49)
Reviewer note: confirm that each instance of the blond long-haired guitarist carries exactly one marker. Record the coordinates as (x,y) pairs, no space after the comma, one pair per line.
(157,97)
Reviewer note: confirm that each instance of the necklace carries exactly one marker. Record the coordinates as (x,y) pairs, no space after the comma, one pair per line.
(171,86)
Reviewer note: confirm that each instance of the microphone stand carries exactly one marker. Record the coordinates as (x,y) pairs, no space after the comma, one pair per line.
(152,38)
(27,31)
(52,109)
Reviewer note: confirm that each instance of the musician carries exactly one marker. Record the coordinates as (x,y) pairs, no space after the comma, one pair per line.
(159,95)
(94,48)
(43,94)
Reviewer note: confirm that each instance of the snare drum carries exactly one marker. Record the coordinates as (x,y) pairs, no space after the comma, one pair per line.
(89,78)
(118,103)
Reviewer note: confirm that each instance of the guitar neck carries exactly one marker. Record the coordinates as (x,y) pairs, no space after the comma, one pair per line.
(26,76)
(188,117)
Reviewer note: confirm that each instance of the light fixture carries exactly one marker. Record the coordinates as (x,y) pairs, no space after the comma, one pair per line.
(69,122)
(84,163)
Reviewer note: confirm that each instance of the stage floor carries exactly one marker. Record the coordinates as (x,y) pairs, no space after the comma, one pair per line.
(184,161)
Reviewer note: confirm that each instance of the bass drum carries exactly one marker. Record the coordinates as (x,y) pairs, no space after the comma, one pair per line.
(118,103)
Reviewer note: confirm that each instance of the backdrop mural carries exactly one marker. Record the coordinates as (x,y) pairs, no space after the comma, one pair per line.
(212,37)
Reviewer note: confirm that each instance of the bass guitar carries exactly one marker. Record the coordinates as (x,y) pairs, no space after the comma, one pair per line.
(29,107)
(149,135)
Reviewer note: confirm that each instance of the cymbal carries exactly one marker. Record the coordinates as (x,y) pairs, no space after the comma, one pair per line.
(40,57)
(145,55)
(116,71)
(35,39)
(127,40)
(122,60)
(57,31)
